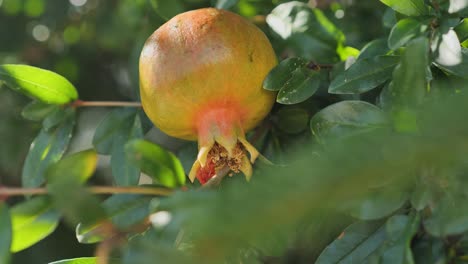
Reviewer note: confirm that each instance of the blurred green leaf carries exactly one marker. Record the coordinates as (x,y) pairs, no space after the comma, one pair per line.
(282,73)
(346,52)
(302,85)
(364,75)
(57,117)
(405,30)
(347,118)
(5,233)
(90,260)
(158,163)
(422,196)
(46,149)
(374,48)
(457,5)
(292,120)
(355,244)
(78,166)
(409,84)
(167,9)
(429,250)
(37,111)
(65,179)
(449,217)
(32,221)
(224,4)
(379,203)
(462,30)
(389,18)
(37,83)
(408,7)
(458,69)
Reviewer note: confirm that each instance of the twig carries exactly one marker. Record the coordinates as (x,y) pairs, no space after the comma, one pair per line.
(79,103)
(216,180)
(13,191)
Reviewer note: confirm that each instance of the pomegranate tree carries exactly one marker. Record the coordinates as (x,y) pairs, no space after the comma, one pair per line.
(201,77)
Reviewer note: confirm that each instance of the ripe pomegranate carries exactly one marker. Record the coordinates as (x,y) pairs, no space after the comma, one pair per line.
(201,77)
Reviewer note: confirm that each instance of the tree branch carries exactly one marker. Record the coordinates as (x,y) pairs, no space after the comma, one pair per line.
(13,191)
(79,103)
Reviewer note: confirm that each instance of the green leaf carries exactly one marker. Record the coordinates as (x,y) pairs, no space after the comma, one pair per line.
(79,166)
(57,117)
(158,163)
(88,260)
(364,75)
(405,30)
(422,196)
(279,76)
(65,179)
(224,4)
(37,111)
(292,120)
(379,203)
(449,217)
(167,9)
(430,250)
(355,244)
(462,30)
(114,131)
(37,83)
(408,7)
(5,234)
(346,118)
(374,48)
(409,83)
(124,210)
(32,221)
(46,149)
(457,5)
(460,69)
(302,85)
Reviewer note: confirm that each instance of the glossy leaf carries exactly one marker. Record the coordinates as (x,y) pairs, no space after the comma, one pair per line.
(43,85)
(32,221)
(158,163)
(346,118)
(462,30)
(373,49)
(408,7)
(355,244)
(79,167)
(37,111)
(364,75)
(279,76)
(5,234)
(405,30)
(46,149)
(302,85)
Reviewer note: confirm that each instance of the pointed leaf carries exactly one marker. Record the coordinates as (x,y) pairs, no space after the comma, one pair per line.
(79,167)
(158,163)
(405,30)
(279,76)
(364,75)
(44,85)
(355,244)
(374,48)
(346,118)
(408,7)
(32,221)
(37,111)
(302,85)
(86,260)
(5,234)
(47,148)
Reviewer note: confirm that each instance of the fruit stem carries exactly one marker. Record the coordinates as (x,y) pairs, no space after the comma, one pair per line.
(12,191)
(79,103)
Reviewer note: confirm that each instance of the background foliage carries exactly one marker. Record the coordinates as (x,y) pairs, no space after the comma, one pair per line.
(368,138)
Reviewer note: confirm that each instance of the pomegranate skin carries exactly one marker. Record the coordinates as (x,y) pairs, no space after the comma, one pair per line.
(201,76)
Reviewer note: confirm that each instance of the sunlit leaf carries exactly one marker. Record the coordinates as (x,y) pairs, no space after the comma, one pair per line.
(79,166)
(462,30)
(408,7)
(282,73)
(37,83)
(158,163)
(46,149)
(364,75)
(32,221)
(302,85)
(5,233)
(86,260)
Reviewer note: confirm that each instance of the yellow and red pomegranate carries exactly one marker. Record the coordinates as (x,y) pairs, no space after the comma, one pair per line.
(201,77)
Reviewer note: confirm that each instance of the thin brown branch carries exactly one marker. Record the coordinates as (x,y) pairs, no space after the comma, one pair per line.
(216,180)
(16,191)
(79,103)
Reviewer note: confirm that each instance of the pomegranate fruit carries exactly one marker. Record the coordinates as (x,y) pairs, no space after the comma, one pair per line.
(201,77)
